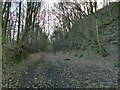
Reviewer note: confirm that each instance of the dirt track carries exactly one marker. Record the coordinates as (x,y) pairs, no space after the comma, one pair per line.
(50,70)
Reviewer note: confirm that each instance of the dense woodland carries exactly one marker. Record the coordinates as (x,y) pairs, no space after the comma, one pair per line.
(24,27)
(42,40)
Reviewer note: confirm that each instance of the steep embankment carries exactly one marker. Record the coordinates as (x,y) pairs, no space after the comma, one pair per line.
(83,34)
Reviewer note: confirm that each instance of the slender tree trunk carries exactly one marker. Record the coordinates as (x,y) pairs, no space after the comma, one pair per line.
(27,23)
(5,23)
(91,6)
(18,34)
(0,47)
(22,26)
(3,11)
(14,31)
(101,48)
(33,24)
(9,30)
(104,3)
(97,31)
(95,5)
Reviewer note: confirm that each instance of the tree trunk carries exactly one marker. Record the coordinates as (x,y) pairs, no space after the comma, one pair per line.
(9,30)
(100,46)
(91,6)
(4,10)
(5,23)
(13,35)
(18,34)
(27,23)
(33,24)
(95,5)
(0,47)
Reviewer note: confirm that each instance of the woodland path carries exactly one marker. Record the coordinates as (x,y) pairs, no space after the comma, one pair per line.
(52,70)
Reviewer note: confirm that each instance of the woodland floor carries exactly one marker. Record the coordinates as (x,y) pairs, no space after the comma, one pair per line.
(83,70)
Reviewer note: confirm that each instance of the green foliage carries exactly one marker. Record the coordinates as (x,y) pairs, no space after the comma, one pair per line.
(49,47)
(14,53)
(56,46)
(116,64)
(97,49)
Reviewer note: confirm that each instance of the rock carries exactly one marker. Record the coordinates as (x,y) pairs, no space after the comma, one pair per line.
(67,59)
(114,42)
(80,56)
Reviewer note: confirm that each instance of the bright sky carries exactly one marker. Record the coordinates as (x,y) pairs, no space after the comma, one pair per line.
(50,4)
